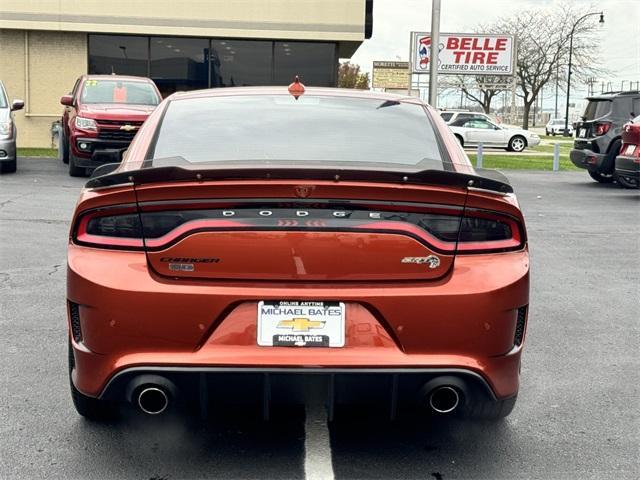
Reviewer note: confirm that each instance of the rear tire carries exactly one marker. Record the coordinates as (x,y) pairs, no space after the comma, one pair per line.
(460,140)
(601,177)
(74,170)
(89,407)
(9,167)
(517,143)
(491,409)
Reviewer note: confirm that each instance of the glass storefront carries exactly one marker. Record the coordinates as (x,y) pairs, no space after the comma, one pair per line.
(121,54)
(181,63)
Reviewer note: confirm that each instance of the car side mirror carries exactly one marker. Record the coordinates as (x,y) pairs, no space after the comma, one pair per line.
(17,105)
(67,100)
(105,169)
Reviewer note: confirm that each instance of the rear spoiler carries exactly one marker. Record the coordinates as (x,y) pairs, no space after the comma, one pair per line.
(424,177)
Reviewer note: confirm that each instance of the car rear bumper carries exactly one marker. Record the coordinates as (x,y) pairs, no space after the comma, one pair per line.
(628,167)
(392,389)
(559,131)
(587,159)
(129,317)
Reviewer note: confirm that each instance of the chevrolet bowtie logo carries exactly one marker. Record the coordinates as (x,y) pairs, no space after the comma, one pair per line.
(128,128)
(300,324)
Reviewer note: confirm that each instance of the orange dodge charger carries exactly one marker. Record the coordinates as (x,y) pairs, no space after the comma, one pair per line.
(255,244)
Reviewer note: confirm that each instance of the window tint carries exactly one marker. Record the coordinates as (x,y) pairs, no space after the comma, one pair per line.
(461,122)
(307,60)
(119,54)
(313,129)
(117,91)
(446,116)
(636,107)
(239,63)
(479,123)
(596,109)
(179,63)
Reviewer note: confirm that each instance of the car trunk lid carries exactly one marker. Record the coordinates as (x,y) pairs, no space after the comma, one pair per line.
(300,230)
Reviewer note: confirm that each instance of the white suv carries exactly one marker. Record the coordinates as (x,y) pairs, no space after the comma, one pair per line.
(556,127)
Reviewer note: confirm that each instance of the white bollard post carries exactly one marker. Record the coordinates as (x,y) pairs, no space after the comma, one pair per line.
(556,157)
(479,156)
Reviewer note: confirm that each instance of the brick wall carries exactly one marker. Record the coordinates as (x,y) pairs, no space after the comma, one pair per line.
(39,67)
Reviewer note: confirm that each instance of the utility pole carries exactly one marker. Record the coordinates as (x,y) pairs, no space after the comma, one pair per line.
(573,29)
(435,50)
(555,113)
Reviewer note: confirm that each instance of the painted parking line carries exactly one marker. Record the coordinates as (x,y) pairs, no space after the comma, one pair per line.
(317,445)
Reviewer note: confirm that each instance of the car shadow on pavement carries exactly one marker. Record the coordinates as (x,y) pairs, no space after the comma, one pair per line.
(238,444)
(420,448)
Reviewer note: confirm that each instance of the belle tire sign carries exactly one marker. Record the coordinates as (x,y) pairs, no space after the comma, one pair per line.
(464,53)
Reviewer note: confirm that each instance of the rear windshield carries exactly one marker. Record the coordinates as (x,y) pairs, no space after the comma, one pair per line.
(118,91)
(316,130)
(596,109)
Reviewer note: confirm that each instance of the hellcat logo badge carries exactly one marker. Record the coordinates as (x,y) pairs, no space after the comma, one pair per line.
(431,260)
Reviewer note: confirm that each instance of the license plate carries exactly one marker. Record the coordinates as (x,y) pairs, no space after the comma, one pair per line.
(629,150)
(582,132)
(301,324)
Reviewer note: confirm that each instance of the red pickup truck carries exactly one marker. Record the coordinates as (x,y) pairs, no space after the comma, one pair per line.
(101,116)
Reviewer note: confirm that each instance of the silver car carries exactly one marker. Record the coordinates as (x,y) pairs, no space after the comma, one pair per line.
(471,133)
(8,131)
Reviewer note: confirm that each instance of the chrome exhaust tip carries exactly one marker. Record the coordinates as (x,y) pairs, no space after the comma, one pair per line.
(153,400)
(444,399)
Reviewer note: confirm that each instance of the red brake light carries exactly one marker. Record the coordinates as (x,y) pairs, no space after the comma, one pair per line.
(119,229)
(602,128)
(482,231)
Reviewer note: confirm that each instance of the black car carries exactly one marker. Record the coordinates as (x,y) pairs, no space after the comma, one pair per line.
(598,135)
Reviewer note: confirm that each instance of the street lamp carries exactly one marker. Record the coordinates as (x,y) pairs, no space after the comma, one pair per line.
(573,29)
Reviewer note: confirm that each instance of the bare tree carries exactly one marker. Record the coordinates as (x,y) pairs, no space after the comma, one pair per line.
(349,76)
(543,44)
(481,89)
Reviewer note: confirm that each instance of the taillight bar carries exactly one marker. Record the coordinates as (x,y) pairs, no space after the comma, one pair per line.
(477,231)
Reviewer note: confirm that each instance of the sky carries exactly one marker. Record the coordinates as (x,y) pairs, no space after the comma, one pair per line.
(393,20)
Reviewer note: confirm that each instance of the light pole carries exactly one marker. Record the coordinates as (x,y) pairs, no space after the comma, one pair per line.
(435,50)
(573,29)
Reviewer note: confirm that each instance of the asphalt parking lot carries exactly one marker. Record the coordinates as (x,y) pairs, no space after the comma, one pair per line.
(578,413)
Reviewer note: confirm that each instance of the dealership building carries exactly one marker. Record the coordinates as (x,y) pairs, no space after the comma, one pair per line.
(45,45)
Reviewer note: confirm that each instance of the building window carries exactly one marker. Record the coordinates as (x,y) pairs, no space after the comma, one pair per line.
(119,54)
(182,63)
(237,63)
(179,63)
(314,63)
